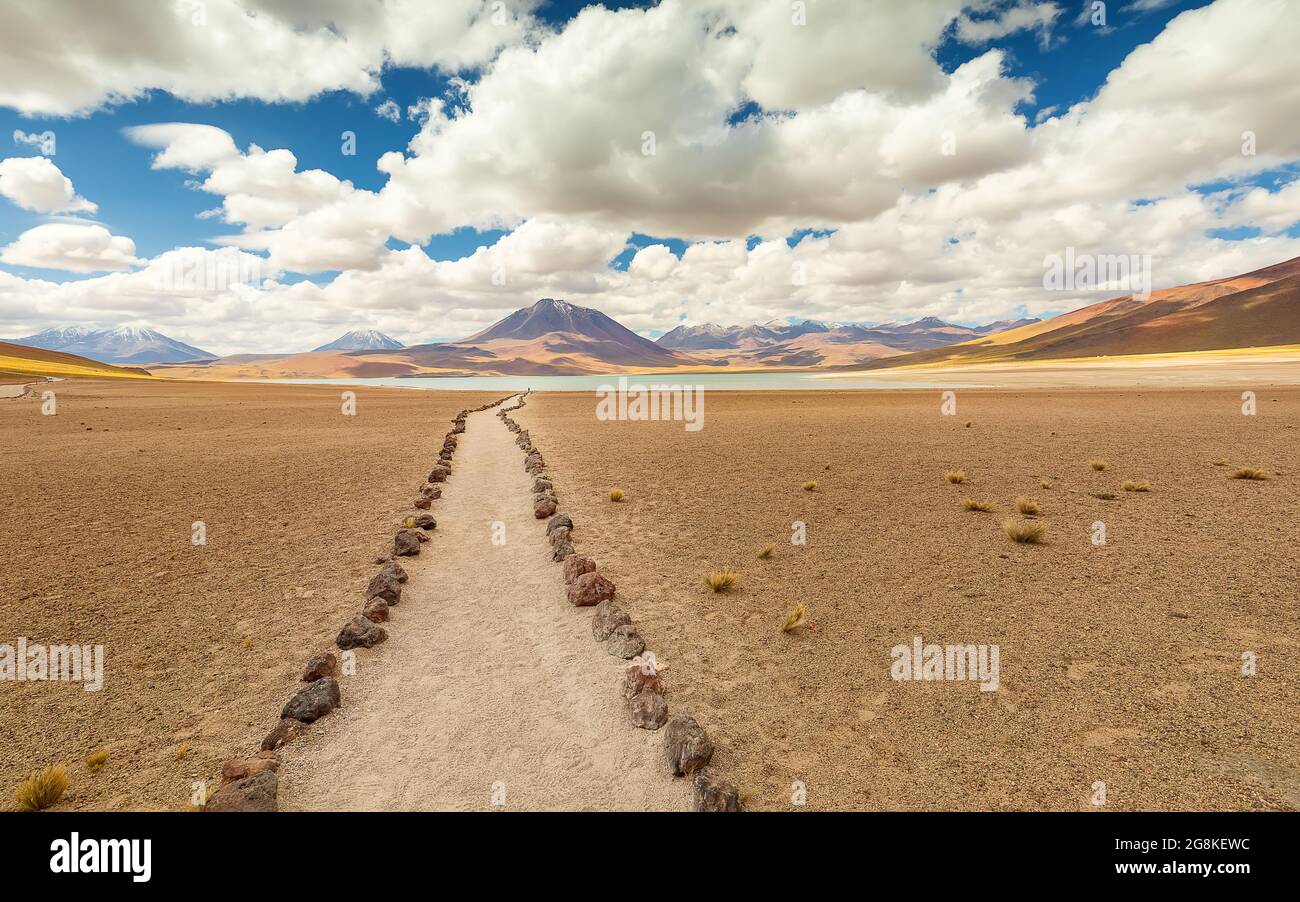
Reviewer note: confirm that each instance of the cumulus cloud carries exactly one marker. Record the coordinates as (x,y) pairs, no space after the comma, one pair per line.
(35,183)
(205,50)
(75,247)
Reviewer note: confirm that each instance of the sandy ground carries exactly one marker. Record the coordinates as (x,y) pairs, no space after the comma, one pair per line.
(490,680)
(1120,664)
(202,644)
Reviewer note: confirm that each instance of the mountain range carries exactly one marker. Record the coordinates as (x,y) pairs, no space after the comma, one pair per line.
(123,345)
(362,340)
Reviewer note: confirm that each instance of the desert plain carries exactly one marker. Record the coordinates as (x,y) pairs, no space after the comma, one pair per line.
(1120,663)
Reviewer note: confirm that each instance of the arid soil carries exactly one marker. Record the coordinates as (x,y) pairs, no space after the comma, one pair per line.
(1120,663)
(490,689)
(202,643)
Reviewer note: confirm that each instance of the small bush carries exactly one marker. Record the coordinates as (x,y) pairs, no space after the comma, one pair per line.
(1028,532)
(1131,486)
(1028,506)
(1247,473)
(181,752)
(956,477)
(810,485)
(767,550)
(796,618)
(1098,465)
(970,504)
(616,495)
(1044,484)
(40,791)
(720,580)
(95,760)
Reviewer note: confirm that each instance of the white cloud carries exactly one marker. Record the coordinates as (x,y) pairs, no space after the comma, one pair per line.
(34,183)
(389,110)
(74,247)
(273,50)
(1024,15)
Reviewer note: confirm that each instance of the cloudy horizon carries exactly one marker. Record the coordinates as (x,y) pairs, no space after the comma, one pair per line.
(425,169)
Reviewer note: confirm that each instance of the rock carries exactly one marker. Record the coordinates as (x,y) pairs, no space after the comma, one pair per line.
(686,746)
(285,731)
(421,536)
(425,522)
(243,768)
(542,485)
(438,474)
(256,793)
(360,633)
(641,676)
(432,492)
(407,542)
(422,503)
(444,454)
(575,566)
(376,610)
(558,536)
(321,665)
(590,589)
(625,642)
(543,507)
(607,617)
(532,460)
(712,793)
(385,586)
(649,711)
(561,551)
(559,521)
(314,702)
(395,570)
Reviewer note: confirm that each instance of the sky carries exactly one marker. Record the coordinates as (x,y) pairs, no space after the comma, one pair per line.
(246,176)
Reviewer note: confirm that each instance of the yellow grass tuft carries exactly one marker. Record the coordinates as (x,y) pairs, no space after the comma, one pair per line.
(767,551)
(810,485)
(970,504)
(615,494)
(1044,484)
(1131,486)
(796,618)
(1098,465)
(1028,506)
(1028,532)
(720,580)
(40,791)
(956,477)
(95,760)
(1220,461)
(181,751)
(1247,473)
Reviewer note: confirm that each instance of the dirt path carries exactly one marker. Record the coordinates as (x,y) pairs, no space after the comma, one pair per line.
(488,677)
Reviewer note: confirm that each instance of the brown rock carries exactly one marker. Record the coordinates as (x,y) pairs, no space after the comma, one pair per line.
(686,746)
(575,566)
(542,485)
(649,710)
(360,633)
(407,542)
(285,731)
(384,585)
(543,507)
(607,617)
(242,768)
(321,665)
(590,589)
(625,642)
(559,521)
(376,610)
(255,793)
(395,570)
(561,551)
(438,473)
(430,491)
(425,522)
(641,676)
(422,503)
(712,793)
(558,536)
(314,702)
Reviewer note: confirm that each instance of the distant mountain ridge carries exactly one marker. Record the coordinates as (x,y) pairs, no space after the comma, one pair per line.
(123,345)
(362,340)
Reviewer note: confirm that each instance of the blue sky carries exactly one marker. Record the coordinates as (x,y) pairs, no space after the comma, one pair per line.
(607,232)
